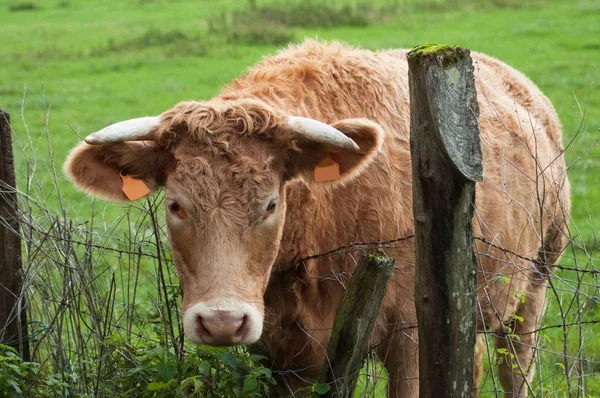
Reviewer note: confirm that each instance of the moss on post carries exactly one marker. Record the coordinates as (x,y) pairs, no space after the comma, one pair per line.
(448,54)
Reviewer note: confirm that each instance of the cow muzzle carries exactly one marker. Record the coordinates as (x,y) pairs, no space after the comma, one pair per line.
(222,324)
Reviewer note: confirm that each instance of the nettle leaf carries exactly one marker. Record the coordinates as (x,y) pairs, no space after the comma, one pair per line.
(250,384)
(15,368)
(204,368)
(14,389)
(198,385)
(517,318)
(321,388)
(8,350)
(544,340)
(501,351)
(155,386)
(135,370)
(256,357)
(194,383)
(263,372)
(156,352)
(233,362)
(166,370)
(514,336)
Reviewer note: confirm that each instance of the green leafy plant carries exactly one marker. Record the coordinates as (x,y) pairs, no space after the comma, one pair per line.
(19,378)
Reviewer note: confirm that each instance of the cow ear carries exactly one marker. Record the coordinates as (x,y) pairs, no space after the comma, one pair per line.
(99,169)
(308,155)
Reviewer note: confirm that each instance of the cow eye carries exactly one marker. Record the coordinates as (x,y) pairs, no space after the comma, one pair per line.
(177,210)
(269,210)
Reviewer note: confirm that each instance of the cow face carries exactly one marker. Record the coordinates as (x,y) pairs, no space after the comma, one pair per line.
(224,166)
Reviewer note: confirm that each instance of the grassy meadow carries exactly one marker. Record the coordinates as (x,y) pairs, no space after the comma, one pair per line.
(69,68)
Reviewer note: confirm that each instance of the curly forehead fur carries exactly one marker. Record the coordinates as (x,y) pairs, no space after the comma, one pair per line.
(218,122)
(239,165)
(225,160)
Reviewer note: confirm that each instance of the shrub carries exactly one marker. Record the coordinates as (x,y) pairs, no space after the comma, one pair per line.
(149,369)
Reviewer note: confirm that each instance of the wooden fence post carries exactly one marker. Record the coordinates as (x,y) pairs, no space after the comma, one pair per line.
(354,322)
(13,319)
(446,163)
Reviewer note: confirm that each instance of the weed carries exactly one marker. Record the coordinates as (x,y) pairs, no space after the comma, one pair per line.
(173,41)
(311,14)
(23,7)
(259,35)
(270,25)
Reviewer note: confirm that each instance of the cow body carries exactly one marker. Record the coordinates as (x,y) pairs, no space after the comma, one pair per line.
(521,205)
(519,130)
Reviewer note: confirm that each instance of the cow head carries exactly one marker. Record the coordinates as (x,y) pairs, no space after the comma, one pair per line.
(224,165)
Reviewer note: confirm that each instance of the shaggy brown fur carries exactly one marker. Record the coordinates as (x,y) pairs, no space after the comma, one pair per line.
(223,159)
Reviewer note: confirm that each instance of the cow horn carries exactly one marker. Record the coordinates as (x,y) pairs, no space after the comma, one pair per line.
(316,131)
(139,129)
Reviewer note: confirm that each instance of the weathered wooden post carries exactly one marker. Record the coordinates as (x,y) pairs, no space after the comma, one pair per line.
(13,319)
(354,322)
(446,163)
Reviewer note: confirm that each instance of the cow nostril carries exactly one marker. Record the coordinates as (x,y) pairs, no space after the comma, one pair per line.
(202,330)
(243,328)
(221,328)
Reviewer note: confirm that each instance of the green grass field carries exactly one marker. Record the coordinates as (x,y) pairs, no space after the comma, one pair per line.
(73,67)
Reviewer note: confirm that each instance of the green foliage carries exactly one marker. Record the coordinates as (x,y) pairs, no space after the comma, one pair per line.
(506,356)
(206,372)
(142,369)
(314,390)
(19,378)
(521,295)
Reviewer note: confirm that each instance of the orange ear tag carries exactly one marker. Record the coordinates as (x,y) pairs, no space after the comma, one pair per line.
(134,188)
(327,170)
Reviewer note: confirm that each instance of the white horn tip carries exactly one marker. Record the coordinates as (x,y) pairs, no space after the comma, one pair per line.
(322,132)
(354,147)
(349,145)
(127,130)
(93,139)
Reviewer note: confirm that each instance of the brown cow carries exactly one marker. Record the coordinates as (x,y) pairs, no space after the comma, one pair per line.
(243,206)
